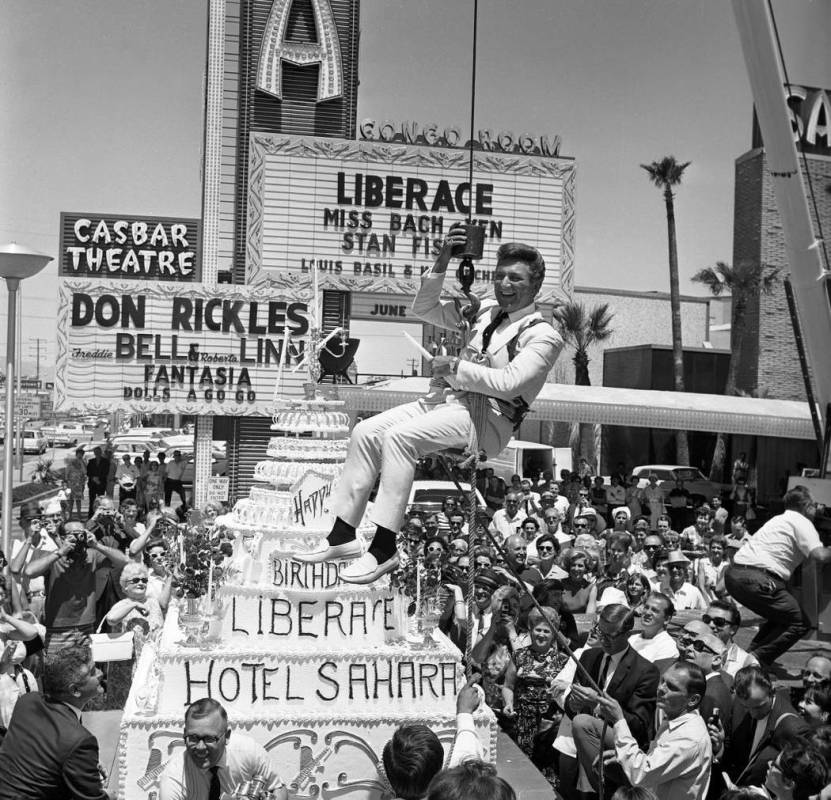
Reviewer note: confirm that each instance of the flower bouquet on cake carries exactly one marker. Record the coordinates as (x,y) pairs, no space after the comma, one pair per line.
(423,580)
(196,560)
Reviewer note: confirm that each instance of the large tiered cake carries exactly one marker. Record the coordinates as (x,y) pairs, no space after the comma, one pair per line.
(317,670)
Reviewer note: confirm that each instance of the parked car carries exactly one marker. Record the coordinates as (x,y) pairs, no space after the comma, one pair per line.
(428,496)
(68,434)
(700,487)
(33,442)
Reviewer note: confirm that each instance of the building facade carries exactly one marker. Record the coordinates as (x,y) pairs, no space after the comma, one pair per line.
(769,362)
(640,318)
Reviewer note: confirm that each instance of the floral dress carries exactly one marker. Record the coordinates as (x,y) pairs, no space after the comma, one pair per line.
(120,673)
(532,696)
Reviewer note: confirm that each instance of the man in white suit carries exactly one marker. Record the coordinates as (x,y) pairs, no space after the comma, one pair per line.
(510,353)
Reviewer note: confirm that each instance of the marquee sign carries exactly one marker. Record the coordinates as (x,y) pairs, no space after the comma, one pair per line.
(370,216)
(178,349)
(120,246)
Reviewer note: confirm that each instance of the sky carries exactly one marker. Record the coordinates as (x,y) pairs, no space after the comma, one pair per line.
(101,107)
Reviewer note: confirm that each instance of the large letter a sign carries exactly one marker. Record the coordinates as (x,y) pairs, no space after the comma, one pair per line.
(325,51)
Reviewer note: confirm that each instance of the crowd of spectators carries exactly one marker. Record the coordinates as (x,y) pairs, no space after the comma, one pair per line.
(149,482)
(636,588)
(659,697)
(70,575)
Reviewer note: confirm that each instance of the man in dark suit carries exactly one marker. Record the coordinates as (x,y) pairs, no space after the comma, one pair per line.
(47,753)
(621,673)
(763,722)
(701,646)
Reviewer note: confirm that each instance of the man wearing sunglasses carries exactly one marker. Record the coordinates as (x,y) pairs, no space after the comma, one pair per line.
(699,645)
(724,620)
(214,762)
(72,574)
(682,593)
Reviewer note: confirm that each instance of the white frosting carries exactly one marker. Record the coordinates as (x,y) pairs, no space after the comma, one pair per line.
(322,450)
(285,473)
(332,423)
(345,750)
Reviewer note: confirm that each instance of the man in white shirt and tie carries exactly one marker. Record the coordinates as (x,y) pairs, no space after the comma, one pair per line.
(676,765)
(214,761)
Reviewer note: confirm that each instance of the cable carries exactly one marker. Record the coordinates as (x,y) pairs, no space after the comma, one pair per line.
(800,149)
(472,113)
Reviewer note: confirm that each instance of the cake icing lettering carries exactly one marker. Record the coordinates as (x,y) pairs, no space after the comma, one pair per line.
(330,681)
(309,506)
(362,680)
(314,618)
(298,575)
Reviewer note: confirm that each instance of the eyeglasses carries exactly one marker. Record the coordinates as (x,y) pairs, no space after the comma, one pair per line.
(545,548)
(719,622)
(696,645)
(606,637)
(137,580)
(482,593)
(209,739)
(580,525)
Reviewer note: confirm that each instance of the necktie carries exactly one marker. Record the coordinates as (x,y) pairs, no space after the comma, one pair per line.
(214,789)
(604,671)
(492,326)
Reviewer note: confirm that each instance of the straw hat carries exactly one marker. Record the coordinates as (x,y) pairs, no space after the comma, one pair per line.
(676,557)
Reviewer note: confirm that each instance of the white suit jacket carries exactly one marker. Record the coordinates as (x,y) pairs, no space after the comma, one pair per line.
(537,349)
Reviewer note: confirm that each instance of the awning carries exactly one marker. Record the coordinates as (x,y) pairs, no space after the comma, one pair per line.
(640,408)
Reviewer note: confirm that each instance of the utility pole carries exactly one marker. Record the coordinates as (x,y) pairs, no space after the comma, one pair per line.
(413,363)
(37,343)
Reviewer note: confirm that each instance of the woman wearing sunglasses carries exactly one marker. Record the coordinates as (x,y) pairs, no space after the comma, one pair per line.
(137,613)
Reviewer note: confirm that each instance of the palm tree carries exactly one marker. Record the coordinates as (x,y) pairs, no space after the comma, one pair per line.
(666,174)
(744,282)
(580,329)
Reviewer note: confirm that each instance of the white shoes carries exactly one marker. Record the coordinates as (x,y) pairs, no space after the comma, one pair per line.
(327,552)
(367,569)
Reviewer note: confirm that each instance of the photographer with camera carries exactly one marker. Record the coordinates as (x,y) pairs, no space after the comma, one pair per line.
(73,575)
(37,535)
(108,525)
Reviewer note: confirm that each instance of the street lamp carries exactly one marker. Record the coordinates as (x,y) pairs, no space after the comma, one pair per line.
(16,264)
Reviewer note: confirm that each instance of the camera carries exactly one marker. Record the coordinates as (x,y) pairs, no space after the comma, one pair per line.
(81,543)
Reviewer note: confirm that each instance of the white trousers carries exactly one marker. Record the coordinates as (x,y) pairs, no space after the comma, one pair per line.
(390,444)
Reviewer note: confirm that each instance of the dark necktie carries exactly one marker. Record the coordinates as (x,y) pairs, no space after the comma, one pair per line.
(604,671)
(492,326)
(214,789)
